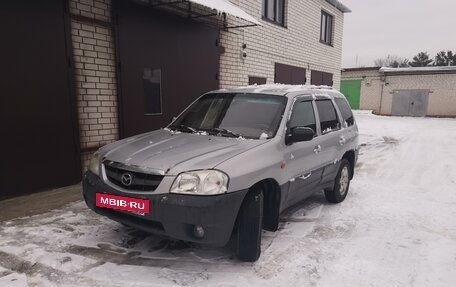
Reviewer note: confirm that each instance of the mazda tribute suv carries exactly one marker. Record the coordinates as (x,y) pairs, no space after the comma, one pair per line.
(228,165)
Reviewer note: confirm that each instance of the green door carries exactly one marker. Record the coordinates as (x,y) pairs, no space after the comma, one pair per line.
(352,91)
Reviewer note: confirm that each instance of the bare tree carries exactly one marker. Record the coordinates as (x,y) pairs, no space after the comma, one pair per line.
(392,61)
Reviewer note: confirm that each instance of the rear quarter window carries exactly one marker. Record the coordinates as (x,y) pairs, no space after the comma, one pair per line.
(345,110)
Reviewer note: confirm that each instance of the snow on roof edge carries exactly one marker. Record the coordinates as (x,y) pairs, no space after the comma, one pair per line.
(339,5)
(416,69)
(226,6)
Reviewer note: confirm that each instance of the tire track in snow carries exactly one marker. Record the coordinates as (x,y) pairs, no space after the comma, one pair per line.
(19,265)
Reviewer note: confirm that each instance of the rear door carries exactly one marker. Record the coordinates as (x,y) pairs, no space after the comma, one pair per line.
(329,138)
(350,134)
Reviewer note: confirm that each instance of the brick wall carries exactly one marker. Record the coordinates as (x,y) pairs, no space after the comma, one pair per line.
(442,87)
(297,44)
(95,74)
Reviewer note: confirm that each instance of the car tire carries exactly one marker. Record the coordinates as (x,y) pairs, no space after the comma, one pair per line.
(341,184)
(249,227)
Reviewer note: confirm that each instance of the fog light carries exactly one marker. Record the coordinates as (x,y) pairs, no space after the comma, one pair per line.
(198,231)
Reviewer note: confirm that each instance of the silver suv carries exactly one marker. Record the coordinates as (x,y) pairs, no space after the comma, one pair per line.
(228,165)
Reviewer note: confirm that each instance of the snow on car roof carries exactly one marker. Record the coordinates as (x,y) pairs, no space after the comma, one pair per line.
(276,89)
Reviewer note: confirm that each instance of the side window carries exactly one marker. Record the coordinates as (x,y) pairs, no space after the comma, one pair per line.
(303,115)
(328,116)
(347,114)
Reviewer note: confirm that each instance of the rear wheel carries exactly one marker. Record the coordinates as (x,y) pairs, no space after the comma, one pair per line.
(341,184)
(250,222)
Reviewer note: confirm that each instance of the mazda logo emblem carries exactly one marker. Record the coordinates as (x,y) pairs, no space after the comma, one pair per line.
(126,179)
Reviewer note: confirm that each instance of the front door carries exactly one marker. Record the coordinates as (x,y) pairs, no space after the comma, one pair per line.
(302,159)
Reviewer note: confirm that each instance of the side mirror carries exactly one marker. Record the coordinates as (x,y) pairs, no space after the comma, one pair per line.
(300,134)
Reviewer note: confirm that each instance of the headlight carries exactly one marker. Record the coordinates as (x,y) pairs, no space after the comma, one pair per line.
(200,182)
(94,165)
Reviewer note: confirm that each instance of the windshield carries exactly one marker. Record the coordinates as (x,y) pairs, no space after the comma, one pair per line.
(246,115)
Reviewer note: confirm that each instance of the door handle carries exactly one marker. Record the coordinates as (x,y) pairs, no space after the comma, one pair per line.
(342,141)
(317,149)
(305,176)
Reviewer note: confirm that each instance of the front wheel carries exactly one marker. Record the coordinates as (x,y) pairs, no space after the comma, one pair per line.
(341,185)
(250,222)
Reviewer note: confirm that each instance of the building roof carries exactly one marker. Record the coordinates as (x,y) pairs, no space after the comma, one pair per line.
(406,71)
(361,69)
(339,5)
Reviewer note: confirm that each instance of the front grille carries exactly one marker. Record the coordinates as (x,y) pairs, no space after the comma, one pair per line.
(139,181)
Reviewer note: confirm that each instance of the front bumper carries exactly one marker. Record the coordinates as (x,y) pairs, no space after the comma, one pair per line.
(173,215)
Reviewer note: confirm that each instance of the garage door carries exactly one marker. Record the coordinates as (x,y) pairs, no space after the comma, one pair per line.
(352,91)
(410,103)
(166,62)
(38,115)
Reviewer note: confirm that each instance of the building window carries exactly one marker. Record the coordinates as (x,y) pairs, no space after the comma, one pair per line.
(273,10)
(321,78)
(257,80)
(286,74)
(152,91)
(326,30)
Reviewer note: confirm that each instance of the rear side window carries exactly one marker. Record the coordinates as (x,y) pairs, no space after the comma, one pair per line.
(344,108)
(303,115)
(328,116)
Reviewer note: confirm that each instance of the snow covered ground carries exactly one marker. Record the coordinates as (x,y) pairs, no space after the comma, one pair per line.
(397,227)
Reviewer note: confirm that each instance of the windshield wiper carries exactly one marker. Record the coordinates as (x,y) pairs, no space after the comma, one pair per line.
(225,132)
(183,128)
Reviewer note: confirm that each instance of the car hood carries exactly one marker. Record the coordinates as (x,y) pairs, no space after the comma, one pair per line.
(170,152)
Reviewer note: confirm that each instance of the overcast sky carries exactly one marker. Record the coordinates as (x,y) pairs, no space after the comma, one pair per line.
(377,28)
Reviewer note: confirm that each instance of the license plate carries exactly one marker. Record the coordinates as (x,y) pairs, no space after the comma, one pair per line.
(134,205)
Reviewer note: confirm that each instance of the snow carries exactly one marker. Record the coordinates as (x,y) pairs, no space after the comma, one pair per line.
(339,5)
(225,6)
(263,136)
(397,227)
(416,69)
(286,88)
